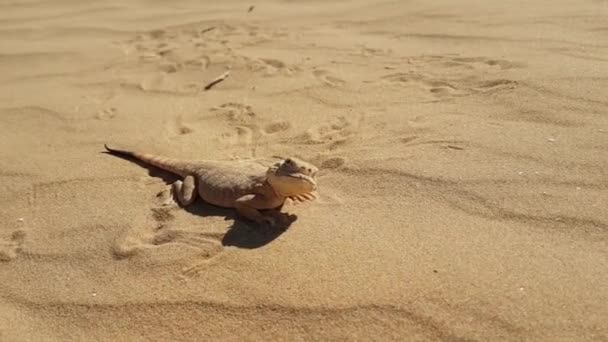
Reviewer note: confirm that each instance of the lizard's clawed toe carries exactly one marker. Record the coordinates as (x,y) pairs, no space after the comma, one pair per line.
(166,197)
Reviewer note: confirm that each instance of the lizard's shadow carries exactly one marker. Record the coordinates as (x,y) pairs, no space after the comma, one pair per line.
(240,234)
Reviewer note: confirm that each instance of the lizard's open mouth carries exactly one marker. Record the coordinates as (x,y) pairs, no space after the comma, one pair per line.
(301,176)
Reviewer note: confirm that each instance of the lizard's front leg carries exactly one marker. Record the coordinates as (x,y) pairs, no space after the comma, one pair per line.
(247,206)
(185,191)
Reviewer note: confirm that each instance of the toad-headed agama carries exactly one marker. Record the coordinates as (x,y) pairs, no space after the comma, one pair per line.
(249,186)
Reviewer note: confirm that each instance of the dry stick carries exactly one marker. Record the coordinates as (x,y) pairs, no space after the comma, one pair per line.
(454,147)
(208,29)
(217,80)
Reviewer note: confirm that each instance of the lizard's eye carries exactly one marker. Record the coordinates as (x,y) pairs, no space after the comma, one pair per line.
(288,161)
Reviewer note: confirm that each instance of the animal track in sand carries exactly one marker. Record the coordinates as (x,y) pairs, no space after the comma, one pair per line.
(328,78)
(241,135)
(172,60)
(162,215)
(204,245)
(184,55)
(243,122)
(270,67)
(176,127)
(201,245)
(106,114)
(450,76)
(273,63)
(408,139)
(334,133)
(424,82)
(246,127)
(444,143)
(235,112)
(277,126)
(179,48)
(10,248)
(481,61)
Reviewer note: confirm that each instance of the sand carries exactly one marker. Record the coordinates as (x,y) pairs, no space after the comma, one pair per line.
(463,184)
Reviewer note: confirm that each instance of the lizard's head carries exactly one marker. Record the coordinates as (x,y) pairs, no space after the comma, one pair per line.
(292,177)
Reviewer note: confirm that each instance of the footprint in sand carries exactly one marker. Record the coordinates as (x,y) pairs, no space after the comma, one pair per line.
(200,63)
(369,52)
(276,127)
(169,68)
(445,76)
(240,135)
(106,114)
(401,77)
(243,121)
(235,112)
(412,141)
(275,63)
(272,66)
(477,62)
(440,89)
(180,56)
(334,133)
(496,84)
(176,127)
(11,247)
(245,126)
(153,83)
(269,66)
(183,56)
(422,81)
(326,77)
(408,139)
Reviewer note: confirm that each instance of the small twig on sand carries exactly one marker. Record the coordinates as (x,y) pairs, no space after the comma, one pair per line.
(208,29)
(217,80)
(454,147)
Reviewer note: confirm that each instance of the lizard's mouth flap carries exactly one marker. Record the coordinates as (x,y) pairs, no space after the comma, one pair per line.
(292,184)
(302,198)
(306,178)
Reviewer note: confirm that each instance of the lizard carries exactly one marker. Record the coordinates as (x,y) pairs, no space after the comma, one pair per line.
(245,185)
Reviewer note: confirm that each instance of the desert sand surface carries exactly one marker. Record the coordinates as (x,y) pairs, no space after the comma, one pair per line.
(462,147)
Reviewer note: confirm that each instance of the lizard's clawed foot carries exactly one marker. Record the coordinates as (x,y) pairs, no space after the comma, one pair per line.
(167,197)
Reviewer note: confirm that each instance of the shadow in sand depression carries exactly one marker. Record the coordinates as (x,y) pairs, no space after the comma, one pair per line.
(243,233)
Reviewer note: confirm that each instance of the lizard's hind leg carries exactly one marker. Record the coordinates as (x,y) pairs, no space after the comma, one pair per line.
(185,191)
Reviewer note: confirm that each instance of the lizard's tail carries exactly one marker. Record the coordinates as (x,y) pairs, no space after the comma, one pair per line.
(167,164)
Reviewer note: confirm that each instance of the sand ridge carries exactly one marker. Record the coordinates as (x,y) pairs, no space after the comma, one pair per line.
(462,175)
